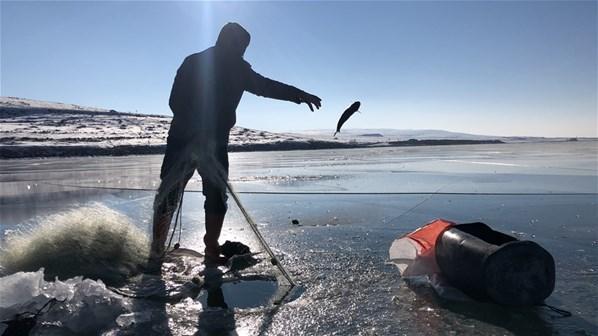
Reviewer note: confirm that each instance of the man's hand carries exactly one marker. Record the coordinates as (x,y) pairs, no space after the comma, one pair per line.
(310,100)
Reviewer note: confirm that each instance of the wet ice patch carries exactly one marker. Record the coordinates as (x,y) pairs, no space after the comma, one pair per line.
(92,241)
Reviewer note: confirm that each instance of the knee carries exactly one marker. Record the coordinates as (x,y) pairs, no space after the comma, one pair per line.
(216,204)
(165,204)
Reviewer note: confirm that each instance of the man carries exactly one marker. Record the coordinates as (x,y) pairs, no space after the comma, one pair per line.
(206,91)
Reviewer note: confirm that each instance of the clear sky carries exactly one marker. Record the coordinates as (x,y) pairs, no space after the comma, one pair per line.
(497,68)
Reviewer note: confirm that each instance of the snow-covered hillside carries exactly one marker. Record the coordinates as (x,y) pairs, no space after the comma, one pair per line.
(34,123)
(29,123)
(31,128)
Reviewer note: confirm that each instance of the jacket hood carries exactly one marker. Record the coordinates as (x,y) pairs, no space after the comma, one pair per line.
(233,38)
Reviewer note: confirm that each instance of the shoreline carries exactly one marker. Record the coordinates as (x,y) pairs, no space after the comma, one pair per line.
(22,152)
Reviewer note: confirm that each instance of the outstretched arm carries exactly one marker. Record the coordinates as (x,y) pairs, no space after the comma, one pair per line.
(266,87)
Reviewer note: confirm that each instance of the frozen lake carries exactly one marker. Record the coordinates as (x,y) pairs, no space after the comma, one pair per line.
(351,204)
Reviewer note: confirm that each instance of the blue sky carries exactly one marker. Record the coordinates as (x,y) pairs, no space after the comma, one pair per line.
(499,68)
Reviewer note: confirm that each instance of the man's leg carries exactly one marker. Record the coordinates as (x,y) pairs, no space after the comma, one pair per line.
(213,229)
(215,203)
(167,199)
(215,209)
(165,205)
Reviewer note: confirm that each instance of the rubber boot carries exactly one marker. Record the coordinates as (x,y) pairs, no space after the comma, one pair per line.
(210,239)
(160,228)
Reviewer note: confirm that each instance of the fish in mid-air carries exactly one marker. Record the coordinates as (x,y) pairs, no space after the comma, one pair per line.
(346,115)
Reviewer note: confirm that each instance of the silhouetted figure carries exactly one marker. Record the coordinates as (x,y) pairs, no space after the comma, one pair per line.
(206,91)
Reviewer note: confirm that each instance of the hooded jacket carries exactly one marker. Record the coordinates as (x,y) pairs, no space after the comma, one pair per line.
(209,85)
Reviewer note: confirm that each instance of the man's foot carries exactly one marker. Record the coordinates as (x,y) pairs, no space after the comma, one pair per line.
(210,239)
(212,257)
(153,265)
(215,261)
(154,260)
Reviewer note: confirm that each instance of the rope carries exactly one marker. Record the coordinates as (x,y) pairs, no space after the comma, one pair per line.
(416,206)
(259,236)
(177,220)
(562,312)
(48,304)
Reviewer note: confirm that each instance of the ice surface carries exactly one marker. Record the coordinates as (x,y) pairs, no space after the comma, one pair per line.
(88,303)
(126,320)
(15,287)
(338,253)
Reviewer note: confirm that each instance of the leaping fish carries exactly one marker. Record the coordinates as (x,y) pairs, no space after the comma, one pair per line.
(346,115)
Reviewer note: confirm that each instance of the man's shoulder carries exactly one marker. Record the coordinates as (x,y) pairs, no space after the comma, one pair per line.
(245,64)
(199,55)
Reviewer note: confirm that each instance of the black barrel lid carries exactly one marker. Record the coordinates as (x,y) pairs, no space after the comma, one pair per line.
(519,273)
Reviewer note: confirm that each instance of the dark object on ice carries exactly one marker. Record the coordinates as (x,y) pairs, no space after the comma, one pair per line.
(492,266)
(240,262)
(230,249)
(295,222)
(238,256)
(19,326)
(346,115)
(24,322)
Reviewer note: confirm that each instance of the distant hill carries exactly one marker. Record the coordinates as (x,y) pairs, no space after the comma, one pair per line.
(394,135)
(368,134)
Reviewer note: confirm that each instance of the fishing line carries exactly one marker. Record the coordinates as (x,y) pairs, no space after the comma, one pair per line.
(48,304)
(348,193)
(417,205)
(178,244)
(177,222)
(22,323)
(562,312)
(273,259)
